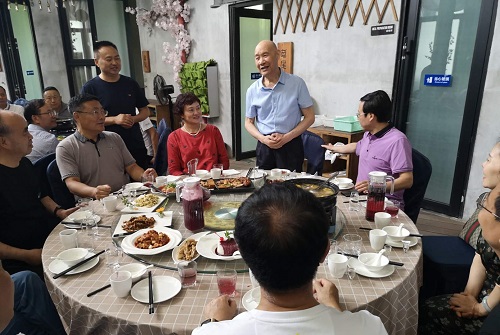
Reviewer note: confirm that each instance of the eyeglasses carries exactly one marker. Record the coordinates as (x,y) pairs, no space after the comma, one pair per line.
(51,113)
(480,203)
(52,98)
(359,114)
(96,112)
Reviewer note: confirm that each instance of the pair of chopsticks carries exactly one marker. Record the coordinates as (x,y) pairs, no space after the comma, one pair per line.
(151,300)
(122,234)
(390,262)
(249,172)
(77,265)
(366,228)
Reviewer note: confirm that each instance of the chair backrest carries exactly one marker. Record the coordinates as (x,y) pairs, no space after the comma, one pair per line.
(41,168)
(413,197)
(161,159)
(313,152)
(162,126)
(60,192)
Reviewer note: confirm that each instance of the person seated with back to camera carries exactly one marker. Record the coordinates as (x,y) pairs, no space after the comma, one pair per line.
(465,312)
(194,139)
(282,234)
(26,306)
(41,119)
(94,162)
(27,213)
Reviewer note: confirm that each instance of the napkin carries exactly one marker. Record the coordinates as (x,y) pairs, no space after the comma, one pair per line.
(329,155)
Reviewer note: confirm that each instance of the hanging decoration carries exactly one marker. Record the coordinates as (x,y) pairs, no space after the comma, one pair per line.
(171,16)
(40,4)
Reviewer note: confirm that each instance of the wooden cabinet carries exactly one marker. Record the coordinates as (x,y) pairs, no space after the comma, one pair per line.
(158,112)
(349,163)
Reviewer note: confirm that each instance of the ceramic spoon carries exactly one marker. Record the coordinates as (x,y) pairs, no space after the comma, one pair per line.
(375,261)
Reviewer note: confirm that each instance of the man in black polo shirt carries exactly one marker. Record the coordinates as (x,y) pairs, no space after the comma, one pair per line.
(27,213)
(120,96)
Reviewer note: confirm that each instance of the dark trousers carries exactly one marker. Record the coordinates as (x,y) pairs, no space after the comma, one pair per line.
(290,156)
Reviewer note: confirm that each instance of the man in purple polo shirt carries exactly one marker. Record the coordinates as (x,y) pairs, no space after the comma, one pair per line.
(382,148)
(275,106)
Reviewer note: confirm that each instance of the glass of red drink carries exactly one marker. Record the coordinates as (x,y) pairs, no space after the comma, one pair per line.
(226,281)
(187,273)
(393,208)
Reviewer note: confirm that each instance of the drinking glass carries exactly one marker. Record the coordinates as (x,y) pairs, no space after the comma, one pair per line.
(226,281)
(187,273)
(352,244)
(114,255)
(354,201)
(219,166)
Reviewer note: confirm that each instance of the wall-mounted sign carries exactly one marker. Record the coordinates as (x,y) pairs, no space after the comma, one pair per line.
(286,56)
(437,80)
(255,75)
(30,73)
(386,29)
(146,65)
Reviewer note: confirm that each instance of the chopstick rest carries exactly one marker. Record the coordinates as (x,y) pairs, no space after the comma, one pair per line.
(151,298)
(98,290)
(414,235)
(77,265)
(390,262)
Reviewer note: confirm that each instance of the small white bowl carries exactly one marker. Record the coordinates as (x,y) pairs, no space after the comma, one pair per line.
(133,186)
(201,173)
(137,270)
(73,256)
(366,260)
(343,182)
(392,233)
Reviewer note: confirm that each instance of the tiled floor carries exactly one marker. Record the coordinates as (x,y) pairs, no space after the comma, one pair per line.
(428,223)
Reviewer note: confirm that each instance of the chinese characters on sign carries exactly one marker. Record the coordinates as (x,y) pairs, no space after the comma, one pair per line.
(286,56)
(437,80)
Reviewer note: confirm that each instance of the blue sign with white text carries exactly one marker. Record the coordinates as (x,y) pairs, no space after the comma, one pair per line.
(255,75)
(30,73)
(437,80)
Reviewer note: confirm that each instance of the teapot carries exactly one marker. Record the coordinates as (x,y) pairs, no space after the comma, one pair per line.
(376,193)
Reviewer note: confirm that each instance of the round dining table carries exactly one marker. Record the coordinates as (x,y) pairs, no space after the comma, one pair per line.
(394,298)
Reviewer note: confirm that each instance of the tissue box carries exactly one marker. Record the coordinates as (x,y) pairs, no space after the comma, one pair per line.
(348,124)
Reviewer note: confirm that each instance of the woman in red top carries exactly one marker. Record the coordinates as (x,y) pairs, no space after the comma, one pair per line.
(194,139)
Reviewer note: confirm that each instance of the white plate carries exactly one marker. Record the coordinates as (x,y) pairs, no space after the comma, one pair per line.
(230,172)
(164,288)
(248,301)
(129,247)
(165,221)
(58,266)
(363,271)
(75,225)
(151,209)
(207,245)
(351,185)
(136,186)
(398,244)
(195,237)
(171,179)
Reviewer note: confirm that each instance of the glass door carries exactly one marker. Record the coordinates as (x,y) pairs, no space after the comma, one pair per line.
(250,27)
(439,90)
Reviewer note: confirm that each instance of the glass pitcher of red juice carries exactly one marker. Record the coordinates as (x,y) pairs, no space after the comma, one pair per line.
(376,193)
(192,204)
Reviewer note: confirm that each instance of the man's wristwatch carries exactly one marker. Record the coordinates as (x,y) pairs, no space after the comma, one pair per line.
(209,320)
(57,209)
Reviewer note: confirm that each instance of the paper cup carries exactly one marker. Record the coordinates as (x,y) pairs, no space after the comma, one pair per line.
(69,238)
(121,283)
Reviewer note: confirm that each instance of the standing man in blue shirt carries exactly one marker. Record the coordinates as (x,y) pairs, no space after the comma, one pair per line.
(120,96)
(275,106)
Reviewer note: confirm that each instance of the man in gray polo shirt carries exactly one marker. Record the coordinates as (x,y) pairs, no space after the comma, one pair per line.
(94,162)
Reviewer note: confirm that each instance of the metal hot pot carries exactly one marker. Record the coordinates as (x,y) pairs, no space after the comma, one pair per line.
(326,194)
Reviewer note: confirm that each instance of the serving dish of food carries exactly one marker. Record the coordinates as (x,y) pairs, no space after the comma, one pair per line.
(151,241)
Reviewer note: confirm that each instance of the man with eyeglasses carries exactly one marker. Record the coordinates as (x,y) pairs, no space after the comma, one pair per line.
(382,148)
(94,162)
(53,98)
(120,96)
(41,119)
